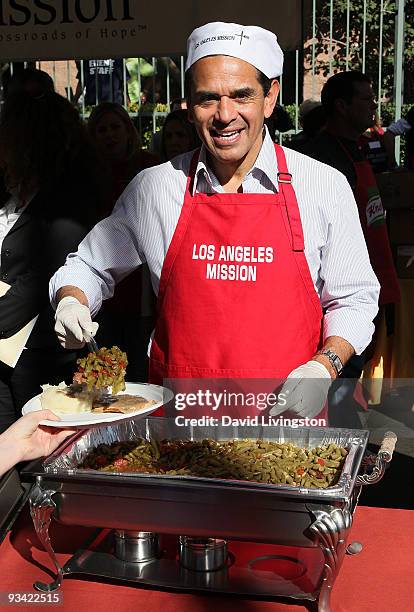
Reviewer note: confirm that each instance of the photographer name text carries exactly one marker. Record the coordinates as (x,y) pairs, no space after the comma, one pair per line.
(248,421)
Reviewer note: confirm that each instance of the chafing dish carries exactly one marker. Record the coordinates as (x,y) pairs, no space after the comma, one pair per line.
(202,508)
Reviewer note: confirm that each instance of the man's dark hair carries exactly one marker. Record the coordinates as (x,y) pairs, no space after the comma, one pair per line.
(341,86)
(32,81)
(264,81)
(314,121)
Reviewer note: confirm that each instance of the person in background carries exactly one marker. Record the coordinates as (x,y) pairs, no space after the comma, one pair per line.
(349,103)
(178,135)
(32,81)
(279,121)
(178,103)
(48,205)
(255,251)
(118,146)
(8,70)
(156,145)
(312,118)
(306,107)
(101,80)
(27,439)
(130,313)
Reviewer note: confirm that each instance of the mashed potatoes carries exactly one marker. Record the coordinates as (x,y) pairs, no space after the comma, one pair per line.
(61,401)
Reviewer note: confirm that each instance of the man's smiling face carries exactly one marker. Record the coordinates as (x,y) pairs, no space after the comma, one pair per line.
(228,107)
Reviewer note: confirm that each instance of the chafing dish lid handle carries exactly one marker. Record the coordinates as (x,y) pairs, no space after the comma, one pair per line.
(388,445)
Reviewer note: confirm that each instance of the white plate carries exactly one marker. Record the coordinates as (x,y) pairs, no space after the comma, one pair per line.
(150,392)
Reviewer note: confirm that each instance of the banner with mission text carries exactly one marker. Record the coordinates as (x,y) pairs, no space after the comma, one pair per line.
(71,29)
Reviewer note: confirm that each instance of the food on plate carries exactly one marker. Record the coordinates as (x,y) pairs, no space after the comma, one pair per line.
(103,369)
(61,400)
(124,403)
(253,460)
(97,374)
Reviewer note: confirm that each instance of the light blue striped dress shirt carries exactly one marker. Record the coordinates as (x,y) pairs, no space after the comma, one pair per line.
(144,219)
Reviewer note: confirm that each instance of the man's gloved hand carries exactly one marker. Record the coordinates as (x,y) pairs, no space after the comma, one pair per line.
(72,319)
(305,390)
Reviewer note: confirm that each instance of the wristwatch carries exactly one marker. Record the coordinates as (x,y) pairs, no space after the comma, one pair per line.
(334,359)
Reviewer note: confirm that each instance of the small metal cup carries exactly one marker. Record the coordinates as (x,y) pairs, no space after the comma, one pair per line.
(136,546)
(202,554)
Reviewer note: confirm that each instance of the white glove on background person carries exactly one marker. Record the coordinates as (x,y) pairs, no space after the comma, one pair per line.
(72,319)
(305,390)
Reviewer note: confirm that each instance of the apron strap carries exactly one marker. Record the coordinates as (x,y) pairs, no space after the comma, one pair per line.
(285,189)
(192,171)
(288,194)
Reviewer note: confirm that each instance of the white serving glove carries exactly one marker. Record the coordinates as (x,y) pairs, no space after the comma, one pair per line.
(72,319)
(305,390)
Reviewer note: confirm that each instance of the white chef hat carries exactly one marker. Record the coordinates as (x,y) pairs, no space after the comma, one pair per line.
(252,44)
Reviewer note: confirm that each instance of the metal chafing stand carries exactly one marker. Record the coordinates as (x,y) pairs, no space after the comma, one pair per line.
(204,513)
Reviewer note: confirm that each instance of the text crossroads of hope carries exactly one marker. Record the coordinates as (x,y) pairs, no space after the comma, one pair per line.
(245,257)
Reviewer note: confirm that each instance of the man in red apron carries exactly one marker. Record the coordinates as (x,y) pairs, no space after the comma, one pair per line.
(236,298)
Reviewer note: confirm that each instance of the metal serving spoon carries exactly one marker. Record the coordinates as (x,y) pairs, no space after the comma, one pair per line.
(90,342)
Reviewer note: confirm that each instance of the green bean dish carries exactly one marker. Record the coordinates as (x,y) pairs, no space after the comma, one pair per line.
(105,368)
(252,460)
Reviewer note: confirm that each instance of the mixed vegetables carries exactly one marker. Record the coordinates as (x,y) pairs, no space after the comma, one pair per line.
(260,461)
(105,368)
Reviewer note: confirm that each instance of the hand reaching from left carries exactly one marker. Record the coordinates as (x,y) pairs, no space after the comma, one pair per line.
(27,439)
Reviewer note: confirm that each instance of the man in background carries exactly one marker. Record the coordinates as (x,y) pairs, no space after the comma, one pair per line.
(101,80)
(349,103)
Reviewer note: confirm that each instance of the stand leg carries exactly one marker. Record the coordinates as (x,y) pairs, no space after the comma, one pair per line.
(330,531)
(41,510)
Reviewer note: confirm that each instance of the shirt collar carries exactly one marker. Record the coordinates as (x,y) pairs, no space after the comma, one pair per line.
(266,163)
(14,205)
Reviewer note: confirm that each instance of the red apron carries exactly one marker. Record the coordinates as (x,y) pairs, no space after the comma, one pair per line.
(236,298)
(372,217)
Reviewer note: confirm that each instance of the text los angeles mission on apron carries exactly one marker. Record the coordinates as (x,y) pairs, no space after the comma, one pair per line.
(236,297)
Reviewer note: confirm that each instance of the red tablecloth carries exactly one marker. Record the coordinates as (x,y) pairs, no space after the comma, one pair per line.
(379,579)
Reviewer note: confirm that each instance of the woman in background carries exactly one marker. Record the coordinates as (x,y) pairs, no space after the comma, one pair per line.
(49,202)
(178,135)
(118,146)
(127,319)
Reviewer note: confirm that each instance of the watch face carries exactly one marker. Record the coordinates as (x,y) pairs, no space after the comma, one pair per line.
(334,359)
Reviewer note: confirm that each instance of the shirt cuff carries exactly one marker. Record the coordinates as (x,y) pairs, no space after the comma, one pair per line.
(350,326)
(90,287)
